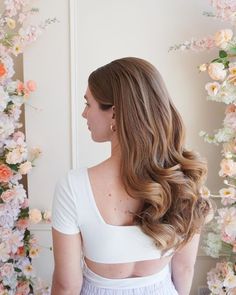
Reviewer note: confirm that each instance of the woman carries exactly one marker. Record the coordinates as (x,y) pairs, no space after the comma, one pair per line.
(133,220)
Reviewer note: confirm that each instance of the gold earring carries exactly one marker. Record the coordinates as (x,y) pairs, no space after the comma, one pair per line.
(113,128)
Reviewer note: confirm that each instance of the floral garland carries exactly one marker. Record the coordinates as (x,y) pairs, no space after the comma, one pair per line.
(17,245)
(220,237)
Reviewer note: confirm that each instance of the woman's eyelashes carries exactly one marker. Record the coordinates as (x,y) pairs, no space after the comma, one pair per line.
(87,104)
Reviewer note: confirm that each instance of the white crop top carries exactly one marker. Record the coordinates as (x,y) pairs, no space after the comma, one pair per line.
(74,210)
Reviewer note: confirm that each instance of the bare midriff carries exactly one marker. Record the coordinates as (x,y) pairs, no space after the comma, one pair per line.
(128,270)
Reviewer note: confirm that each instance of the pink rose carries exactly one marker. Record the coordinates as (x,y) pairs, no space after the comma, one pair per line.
(31,85)
(5,173)
(7,270)
(18,135)
(23,288)
(25,204)
(8,195)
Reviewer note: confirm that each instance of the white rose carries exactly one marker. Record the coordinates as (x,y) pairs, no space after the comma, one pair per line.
(216,71)
(14,157)
(222,37)
(25,167)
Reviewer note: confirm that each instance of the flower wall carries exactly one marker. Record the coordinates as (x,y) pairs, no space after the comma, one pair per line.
(17,245)
(220,237)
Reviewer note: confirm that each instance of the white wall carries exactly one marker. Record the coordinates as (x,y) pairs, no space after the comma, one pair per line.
(109,29)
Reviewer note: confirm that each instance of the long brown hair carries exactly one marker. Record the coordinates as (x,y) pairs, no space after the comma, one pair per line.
(155,166)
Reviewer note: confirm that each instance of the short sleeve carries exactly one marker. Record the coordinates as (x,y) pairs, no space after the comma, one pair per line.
(64,208)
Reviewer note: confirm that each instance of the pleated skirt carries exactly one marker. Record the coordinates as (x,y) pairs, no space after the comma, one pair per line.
(157,284)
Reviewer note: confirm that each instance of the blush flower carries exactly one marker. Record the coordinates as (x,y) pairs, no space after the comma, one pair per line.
(228,168)
(25,167)
(33,252)
(212,88)
(31,85)
(11,23)
(23,288)
(228,195)
(230,120)
(35,215)
(222,38)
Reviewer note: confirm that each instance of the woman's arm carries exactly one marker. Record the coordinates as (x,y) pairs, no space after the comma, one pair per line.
(183,266)
(67,276)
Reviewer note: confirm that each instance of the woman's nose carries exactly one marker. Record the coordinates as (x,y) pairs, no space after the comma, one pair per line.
(84,114)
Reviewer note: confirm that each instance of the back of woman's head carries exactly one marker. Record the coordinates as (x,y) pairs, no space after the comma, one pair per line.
(155,166)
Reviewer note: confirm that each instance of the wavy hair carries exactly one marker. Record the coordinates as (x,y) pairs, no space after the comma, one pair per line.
(155,166)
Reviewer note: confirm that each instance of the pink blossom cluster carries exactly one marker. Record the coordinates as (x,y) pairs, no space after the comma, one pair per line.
(224,9)
(15,31)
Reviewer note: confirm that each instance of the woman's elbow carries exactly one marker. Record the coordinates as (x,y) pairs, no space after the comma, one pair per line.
(63,287)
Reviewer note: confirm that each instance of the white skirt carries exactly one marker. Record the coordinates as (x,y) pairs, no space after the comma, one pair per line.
(157,284)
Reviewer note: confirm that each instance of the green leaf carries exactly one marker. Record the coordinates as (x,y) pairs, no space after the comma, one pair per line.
(223,54)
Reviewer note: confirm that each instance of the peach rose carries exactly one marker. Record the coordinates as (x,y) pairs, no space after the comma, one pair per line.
(2,70)
(31,85)
(25,168)
(216,71)
(22,223)
(21,251)
(231,108)
(35,215)
(222,37)
(5,173)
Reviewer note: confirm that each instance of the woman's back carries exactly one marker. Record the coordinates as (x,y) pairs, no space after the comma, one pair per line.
(114,206)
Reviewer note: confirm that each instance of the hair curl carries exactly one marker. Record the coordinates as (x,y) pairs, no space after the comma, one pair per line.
(155,166)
